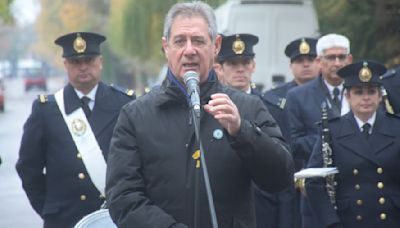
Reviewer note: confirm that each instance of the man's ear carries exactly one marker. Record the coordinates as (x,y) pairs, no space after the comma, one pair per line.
(217,44)
(164,46)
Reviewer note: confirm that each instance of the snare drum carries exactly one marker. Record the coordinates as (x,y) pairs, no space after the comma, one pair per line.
(97,219)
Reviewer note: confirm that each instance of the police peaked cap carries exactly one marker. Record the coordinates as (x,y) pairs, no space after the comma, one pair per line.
(80,44)
(237,45)
(364,72)
(302,46)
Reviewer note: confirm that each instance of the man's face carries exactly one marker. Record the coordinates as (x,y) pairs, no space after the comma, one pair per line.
(363,100)
(304,68)
(237,72)
(190,48)
(331,61)
(84,73)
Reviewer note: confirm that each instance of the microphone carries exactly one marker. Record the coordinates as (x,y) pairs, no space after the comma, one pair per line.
(191,79)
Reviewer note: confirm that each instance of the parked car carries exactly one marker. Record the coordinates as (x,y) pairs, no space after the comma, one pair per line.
(35,78)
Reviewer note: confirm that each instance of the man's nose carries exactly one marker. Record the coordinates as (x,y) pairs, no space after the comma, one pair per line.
(82,65)
(189,48)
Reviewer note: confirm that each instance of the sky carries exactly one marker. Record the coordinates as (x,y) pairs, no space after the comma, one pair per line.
(25,11)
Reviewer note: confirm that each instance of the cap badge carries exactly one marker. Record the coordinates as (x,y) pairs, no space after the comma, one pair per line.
(365,73)
(304,47)
(79,44)
(78,127)
(238,46)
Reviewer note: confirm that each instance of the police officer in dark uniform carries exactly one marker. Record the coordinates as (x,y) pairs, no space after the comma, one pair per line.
(304,102)
(302,53)
(236,66)
(50,166)
(236,62)
(365,147)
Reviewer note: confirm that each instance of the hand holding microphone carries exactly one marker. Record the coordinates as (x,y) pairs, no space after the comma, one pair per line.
(225,111)
(220,106)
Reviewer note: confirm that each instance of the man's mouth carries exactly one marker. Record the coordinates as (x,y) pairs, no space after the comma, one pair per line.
(190,64)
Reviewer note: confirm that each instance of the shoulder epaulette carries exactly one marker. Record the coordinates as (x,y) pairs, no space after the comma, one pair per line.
(390,73)
(395,115)
(275,100)
(45,98)
(121,89)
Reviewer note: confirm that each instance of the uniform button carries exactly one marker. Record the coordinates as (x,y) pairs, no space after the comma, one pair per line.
(79,155)
(359,217)
(380,185)
(382,216)
(81,176)
(83,197)
(357,187)
(359,202)
(379,170)
(382,200)
(355,172)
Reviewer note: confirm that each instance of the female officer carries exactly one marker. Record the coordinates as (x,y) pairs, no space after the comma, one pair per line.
(365,147)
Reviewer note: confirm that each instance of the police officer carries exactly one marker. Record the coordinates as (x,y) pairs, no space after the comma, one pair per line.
(236,66)
(236,63)
(304,67)
(53,171)
(365,147)
(304,102)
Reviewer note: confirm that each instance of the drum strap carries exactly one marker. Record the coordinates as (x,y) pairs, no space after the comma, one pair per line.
(86,143)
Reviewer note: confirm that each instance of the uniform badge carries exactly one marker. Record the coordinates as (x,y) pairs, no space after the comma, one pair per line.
(218,134)
(196,157)
(365,73)
(238,46)
(79,44)
(78,127)
(304,47)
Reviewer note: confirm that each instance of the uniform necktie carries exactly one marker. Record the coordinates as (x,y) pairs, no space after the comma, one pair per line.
(336,99)
(366,127)
(85,106)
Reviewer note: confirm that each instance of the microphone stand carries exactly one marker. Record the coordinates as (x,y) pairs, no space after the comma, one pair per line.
(203,166)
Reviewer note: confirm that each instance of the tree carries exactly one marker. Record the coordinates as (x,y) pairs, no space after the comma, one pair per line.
(373,26)
(5,14)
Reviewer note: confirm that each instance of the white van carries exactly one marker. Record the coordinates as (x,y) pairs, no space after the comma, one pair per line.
(276,23)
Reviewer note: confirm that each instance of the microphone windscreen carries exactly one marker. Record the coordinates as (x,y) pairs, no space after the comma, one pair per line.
(190,75)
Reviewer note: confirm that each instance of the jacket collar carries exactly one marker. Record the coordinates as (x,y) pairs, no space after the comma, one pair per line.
(71,99)
(171,93)
(353,139)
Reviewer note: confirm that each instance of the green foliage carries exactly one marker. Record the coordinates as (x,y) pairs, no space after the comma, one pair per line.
(5,14)
(373,26)
(136,26)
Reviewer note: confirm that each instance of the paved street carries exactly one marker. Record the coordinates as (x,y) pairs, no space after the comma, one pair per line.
(15,210)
